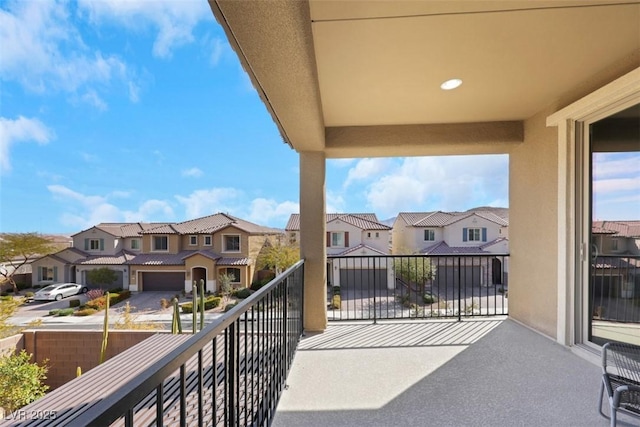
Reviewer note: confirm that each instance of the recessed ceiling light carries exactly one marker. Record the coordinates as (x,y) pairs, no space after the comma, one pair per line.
(451,84)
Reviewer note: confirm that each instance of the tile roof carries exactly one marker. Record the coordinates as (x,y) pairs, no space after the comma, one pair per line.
(624,264)
(442,219)
(233,261)
(165,259)
(493,242)
(617,228)
(356,248)
(210,224)
(364,221)
(443,248)
(122,257)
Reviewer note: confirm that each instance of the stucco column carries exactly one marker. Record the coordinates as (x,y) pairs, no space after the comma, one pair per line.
(312,239)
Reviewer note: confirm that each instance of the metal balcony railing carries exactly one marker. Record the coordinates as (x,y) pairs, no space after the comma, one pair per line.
(615,288)
(417,286)
(231,373)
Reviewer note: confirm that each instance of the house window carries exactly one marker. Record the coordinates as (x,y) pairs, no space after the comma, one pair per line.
(337,240)
(193,240)
(94,244)
(233,272)
(369,235)
(377,234)
(46,273)
(160,243)
(207,240)
(429,235)
(135,244)
(473,234)
(231,243)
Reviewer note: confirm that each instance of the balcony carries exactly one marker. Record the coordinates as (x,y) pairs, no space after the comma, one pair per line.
(254,366)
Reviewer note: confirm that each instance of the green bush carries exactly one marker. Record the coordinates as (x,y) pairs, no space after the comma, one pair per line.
(336,290)
(229,307)
(260,283)
(4,294)
(428,298)
(6,298)
(22,286)
(74,303)
(65,312)
(242,293)
(21,382)
(36,286)
(54,312)
(85,312)
(28,294)
(209,303)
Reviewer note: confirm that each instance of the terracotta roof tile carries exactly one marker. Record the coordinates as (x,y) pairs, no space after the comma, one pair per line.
(356,248)
(443,248)
(122,257)
(233,261)
(364,221)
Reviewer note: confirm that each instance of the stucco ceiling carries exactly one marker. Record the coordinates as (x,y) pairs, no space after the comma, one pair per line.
(383,62)
(359,77)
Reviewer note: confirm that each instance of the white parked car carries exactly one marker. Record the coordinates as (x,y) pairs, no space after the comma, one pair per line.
(58,291)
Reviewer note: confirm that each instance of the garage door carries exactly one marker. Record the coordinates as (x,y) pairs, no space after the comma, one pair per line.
(117,284)
(168,281)
(448,276)
(363,279)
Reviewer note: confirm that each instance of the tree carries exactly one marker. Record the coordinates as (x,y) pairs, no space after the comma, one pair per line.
(17,249)
(278,256)
(415,269)
(102,276)
(20,381)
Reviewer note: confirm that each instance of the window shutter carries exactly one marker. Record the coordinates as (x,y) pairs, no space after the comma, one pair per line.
(86,244)
(328,238)
(102,244)
(464,234)
(55,274)
(484,234)
(346,239)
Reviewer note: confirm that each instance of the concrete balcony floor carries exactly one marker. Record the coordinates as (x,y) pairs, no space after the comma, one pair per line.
(488,372)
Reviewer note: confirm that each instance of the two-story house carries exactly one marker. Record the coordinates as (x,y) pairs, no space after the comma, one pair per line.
(455,238)
(161,256)
(615,246)
(357,236)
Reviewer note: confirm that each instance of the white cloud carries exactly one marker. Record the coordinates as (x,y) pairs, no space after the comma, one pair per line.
(208,202)
(615,164)
(617,185)
(174,21)
(366,169)
(216,47)
(20,130)
(439,183)
(334,202)
(340,163)
(85,211)
(268,211)
(43,51)
(192,172)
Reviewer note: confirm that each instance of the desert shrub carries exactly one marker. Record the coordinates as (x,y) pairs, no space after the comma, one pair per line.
(28,294)
(100,303)
(336,290)
(21,382)
(94,293)
(242,293)
(85,312)
(54,312)
(405,300)
(428,298)
(36,286)
(4,294)
(260,283)
(22,286)
(229,307)
(209,303)
(116,290)
(65,312)
(74,303)
(164,303)
(6,298)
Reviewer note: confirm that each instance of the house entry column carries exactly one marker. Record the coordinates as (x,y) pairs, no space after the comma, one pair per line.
(313,238)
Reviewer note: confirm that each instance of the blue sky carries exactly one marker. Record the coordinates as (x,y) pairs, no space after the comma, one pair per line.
(118,111)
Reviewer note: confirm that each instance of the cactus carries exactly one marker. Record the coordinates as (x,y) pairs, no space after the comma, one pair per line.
(201,304)
(194,311)
(105,328)
(176,325)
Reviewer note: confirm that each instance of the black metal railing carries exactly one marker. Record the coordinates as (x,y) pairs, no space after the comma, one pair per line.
(231,373)
(417,286)
(615,288)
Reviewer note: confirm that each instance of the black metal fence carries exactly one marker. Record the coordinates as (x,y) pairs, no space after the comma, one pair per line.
(231,373)
(417,286)
(615,288)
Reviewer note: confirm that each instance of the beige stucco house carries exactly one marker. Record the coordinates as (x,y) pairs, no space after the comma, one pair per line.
(161,256)
(346,79)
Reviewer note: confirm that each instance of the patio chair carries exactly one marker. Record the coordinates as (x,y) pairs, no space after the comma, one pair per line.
(621,379)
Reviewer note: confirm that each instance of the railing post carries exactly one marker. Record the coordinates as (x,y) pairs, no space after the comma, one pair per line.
(232,381)
(459,282)
(375,318)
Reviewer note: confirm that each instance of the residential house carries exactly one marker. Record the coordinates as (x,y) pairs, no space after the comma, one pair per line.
(352,235)
(460,240)
(534,96)
(615,247)
(162,256)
